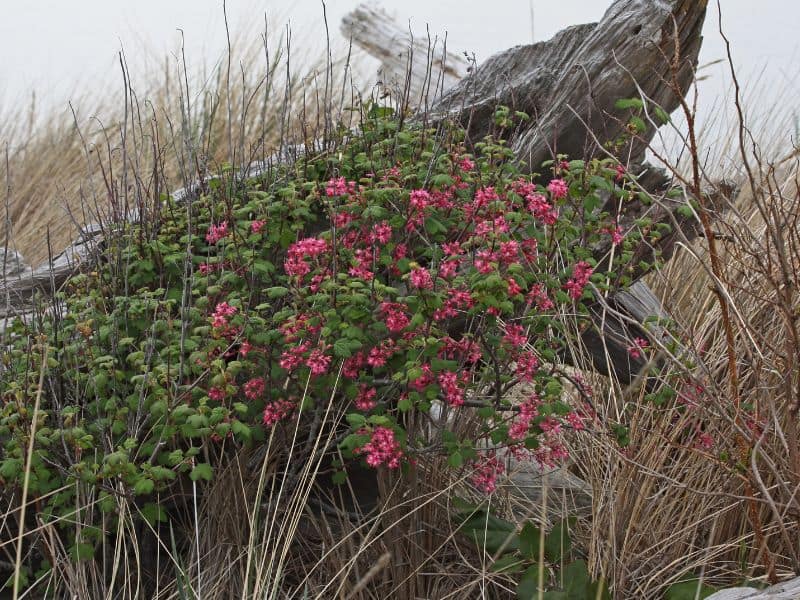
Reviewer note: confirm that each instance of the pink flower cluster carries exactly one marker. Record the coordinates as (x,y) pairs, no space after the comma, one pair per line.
(538,296)
(366,398)
(382,449)
(580,277)
(395,316)
(452,389)
(636,350)
(558,187)
(340,187)
(254,388)
(421,279)
(298,253)
(528,411)
(277,411)
(257,226)
(217,232)
(485,473)
(515,337)
(527,365)
(457,300)
(222,313)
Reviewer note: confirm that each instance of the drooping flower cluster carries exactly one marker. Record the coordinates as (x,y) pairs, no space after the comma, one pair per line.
(217,232)
(486,470)
(580,277)
(382,449)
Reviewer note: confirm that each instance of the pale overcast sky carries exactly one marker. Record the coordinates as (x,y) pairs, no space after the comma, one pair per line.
(60,47)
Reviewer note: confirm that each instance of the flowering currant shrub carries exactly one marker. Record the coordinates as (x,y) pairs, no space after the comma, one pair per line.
(401,274)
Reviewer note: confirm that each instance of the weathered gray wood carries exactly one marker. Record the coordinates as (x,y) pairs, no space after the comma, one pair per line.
(420,65)
(788,590)
(569,84)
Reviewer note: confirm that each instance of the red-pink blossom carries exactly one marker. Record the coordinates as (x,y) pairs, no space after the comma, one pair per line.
(580,277)
(527,365)
(558,187)
(277,411)
(318,362)
(382,449)
(254,388)
(485,473)
(217,232)
(421,279)
(257,226)
(366,398)
(395,316)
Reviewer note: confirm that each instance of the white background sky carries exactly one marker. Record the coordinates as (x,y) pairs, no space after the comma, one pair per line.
(63,48)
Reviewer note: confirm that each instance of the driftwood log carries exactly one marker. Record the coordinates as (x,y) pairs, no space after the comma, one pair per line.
(568,85)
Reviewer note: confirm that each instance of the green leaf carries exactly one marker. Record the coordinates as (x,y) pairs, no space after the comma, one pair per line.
(529,539)
(629,103)
(491,533)
(455,460)
(557,543)
(528,588)
(510,563)
(82,551)
(688,590)
(201,471)
(276,292)
(143,486)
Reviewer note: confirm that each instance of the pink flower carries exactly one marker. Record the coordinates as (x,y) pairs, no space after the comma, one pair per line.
(257,226)
(527,365)
(635,351)
(221,313)
(217,394)
(558,187)
(318,362)
(353,364)
(528,411)
(485,473)
(339,187)
(515,336)
(509,252)
(277,411)
(541,209)
(419,200)
(395,316)
(420,383)
(254,388)
(421,279)
(580,277)
(449,382)
(485,261)
(538,295)
(576,421)
(451,248)
(513,287)
(465,164)
(366,398)
(381,233)
(217,232)
(298,253)
(457,300)
(293,357)
(448,269)
(382,449)
(245,348)
(380,354)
